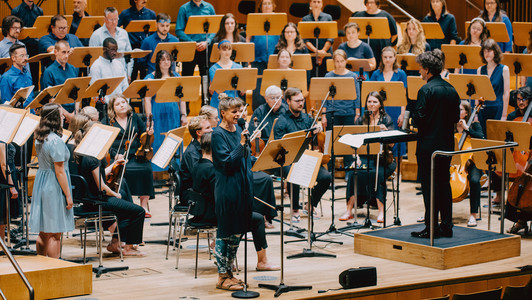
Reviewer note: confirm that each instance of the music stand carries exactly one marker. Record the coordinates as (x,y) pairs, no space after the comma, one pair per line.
(181,51)
(520,64)
(242,52)
(299,61)
(462,56)
(473,86)
(26,32)
(408,62)
(265,24)
(353,64)
(44,96)
(318,30)
(73,90)
(88,25)
(284,79)
(101,88)
(277,154)
(84,57)
(234,79)
(496,31)
(145,26)
(492,161)
(432,30)
(372,28)
(522,33)
(5,63)
(96,144)
(42,24)
(140,89)
(17,101)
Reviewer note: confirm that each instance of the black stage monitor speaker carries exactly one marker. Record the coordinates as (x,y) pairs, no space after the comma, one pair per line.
(358,277)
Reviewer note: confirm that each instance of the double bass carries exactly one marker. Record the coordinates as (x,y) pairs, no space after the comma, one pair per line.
(459,181)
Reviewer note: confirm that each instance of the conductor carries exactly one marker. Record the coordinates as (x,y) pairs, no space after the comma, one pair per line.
(437,110)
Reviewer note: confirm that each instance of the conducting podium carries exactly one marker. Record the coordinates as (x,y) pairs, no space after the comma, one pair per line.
(265,24)
(372,28)
(318,30)
(299,61)
(462,57)
(242,52)
(88,25)
(180,51)
(284,79)
(519,64)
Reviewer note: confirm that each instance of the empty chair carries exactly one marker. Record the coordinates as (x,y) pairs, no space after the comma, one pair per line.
(483,295)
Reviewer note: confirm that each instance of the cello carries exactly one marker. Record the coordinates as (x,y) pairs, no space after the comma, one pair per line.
(459,181)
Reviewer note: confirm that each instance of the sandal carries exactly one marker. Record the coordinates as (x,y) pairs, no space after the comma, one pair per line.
(346,217)
(228,284)
(518,226)
(296,218)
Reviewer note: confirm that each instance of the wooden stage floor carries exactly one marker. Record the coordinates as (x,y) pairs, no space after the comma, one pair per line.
(153,277)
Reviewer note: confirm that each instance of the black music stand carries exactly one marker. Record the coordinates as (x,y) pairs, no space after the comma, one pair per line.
(84,57)
(73,90)
(318,30)
(17,101)
(88,25)
(242,52)
(277,154)
(45,96)
(180,51)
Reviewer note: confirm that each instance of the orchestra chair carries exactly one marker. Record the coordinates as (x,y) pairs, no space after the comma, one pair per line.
(197,205)
(483,295)
(80,197)
(177,212)
(515,293)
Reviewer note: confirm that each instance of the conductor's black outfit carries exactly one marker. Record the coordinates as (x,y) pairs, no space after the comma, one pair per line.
(437,110)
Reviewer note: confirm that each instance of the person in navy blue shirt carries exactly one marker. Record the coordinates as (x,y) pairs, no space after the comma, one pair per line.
(137,11)
(28,12)
(79,13)
(492,13)
(58,72)
(354,47)
(17,76)
(373,11)
(162,35)
(194,8)
(438,13)
(324,46)
(58,31)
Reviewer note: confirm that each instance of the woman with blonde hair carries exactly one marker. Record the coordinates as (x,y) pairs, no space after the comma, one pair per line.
(414,41)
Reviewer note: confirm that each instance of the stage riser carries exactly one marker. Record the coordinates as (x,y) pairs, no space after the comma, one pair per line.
(50,278)
(438,258)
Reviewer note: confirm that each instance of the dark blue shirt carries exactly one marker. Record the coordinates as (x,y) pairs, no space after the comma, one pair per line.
(56,75)
(448,26)
(132,14)
(344,107)
(505,47)
(50,40)
(13,80)
(191,9)
(150,43)
(262,54)
(378,44)
(289,123)
(26,14)
(323,17)
(261,112)
(76,19)
(363,51)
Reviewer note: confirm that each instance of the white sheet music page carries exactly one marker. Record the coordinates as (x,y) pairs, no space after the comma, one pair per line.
(26,128)
(357,140)
(8,123)
(302,170)
(94,142)
(167,149)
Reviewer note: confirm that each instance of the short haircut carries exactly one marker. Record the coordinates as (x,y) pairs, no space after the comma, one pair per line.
(433,61)
(490,44)
(8,22)
(229,103)
(14,48)
(110,10)
(525,92)
(60,43)
(108,41)
(351,25)
(54,20)
(205,143)
(273,90)
(339,52)
(163,16)
(208,111)
(378,2)
(195,125)
(291,92)
(91,111)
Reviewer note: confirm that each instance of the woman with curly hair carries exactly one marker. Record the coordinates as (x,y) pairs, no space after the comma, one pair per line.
(291,40)
(413,39)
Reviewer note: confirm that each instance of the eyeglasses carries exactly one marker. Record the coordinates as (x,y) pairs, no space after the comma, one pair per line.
(23,56)
(519,99)
(62,28)
(16,28)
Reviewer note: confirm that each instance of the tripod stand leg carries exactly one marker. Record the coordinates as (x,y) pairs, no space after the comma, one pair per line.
(282,288)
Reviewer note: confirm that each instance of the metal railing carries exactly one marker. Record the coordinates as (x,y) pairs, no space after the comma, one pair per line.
(401,9)
(18,269)
(451,153)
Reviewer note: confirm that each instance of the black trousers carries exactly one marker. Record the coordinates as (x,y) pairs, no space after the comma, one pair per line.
(442,190)
(474,188)
(323,181)
(263,189)
(258,231)
(199,60)
(258,99)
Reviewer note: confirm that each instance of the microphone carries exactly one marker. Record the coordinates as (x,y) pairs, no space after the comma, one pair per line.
(242,123)
(405,120)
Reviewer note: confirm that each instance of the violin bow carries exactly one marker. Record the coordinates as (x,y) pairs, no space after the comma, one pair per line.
(265,117)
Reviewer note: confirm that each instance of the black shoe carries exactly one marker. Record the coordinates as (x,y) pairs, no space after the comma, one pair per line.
(445,233)
(424,234)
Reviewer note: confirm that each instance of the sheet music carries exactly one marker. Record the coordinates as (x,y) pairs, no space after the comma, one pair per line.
(327,146)
(302,170)
(94,141)
(26,128)
(357,140)
(8,123)
(167,149)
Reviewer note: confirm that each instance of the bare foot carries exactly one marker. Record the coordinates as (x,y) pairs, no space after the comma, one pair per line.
(267,267)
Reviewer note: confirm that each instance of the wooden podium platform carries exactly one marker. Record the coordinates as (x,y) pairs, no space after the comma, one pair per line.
(51,278)
(466,247)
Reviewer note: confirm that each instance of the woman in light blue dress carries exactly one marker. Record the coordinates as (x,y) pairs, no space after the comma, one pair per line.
(225,49)
(51,207)
(166,115)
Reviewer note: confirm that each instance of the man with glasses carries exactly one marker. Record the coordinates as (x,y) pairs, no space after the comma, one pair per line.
(58,31)
(295,119)
(272,93)
(523,95)
(17,76)
(11,27)
(162,35)
(79,13)
(119,35)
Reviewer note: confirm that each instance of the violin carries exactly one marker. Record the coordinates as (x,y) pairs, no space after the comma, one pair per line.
(145,150)
(113,178)
(459,182)
(318,143)
(257,144)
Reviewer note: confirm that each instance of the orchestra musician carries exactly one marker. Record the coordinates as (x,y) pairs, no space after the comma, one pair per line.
(355,47)
(225,49)
(51,205)
(7,175)
(272,94)
(11,28)
(138,171)
(323,46)
(211,114)
(477,33)
(120,203)
(284,60)
(374,115)
(58,32)
(413,39)
(17,76)
(295,119)
(291,40)
(492,12)
(162,35)
(436,113)
(438,13)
